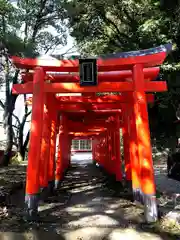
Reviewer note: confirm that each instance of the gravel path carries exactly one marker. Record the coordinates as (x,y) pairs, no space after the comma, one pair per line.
(85,208)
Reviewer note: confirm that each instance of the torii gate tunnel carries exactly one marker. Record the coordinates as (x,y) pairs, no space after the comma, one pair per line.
(99,118)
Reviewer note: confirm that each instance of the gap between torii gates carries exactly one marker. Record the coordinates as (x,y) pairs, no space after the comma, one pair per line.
(99,118)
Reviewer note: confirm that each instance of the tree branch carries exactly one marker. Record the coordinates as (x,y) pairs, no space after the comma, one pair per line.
(113,26)
(27,114)
(38,19)
(15,126)
(17,119)
(2,104)
(53,44)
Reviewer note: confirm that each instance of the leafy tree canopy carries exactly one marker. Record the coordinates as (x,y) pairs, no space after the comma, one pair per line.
(109,26)
(122,25)
(32,26)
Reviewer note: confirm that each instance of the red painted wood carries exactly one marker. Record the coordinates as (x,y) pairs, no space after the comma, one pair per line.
(154,86)
(143,134)
(86,129)
(85,134)
(133,149)
(32,180)
(92,115)
(96,100)
(45,146)
(112,64)
(100,100)
(92,125)
(126,141)
(88,107)
(53,115)
(62,149)
(59,161)
(117,76)
(118,163)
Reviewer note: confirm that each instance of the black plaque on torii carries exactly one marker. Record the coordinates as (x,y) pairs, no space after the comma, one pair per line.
(88,72)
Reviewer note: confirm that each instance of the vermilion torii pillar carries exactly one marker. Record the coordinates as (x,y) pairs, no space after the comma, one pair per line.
(118,165)
(59,162)
(32,180)
(63,148)
(143,144)
(45,145)
(69,143)
(100,150)
(53,129)
(126,140)
(134,157)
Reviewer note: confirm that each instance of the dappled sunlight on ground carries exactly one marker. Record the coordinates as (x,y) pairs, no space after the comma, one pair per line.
(88,206)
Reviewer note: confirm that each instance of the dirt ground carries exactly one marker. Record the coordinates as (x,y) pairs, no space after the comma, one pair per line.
(86,208)
(12,178)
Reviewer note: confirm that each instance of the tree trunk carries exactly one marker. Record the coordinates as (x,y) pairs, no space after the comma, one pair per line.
(20,140)
(22,146)
(23,150)
(8,149)
(8,111)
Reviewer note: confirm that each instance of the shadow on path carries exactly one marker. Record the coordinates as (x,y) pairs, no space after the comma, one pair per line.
(89,205)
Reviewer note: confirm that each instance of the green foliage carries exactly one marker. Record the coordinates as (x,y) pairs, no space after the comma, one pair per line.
(43,23)
(32,26)
(117,25)
(108,26)
(27,28)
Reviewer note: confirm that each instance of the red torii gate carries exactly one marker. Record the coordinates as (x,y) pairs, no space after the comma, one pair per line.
(128,73)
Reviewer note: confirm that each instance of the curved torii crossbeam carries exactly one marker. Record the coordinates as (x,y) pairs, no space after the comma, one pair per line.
(131,74)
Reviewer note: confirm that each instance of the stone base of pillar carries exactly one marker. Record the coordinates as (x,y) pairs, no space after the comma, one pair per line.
(31,204)
(138,195)
(150,208)
(57,184)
